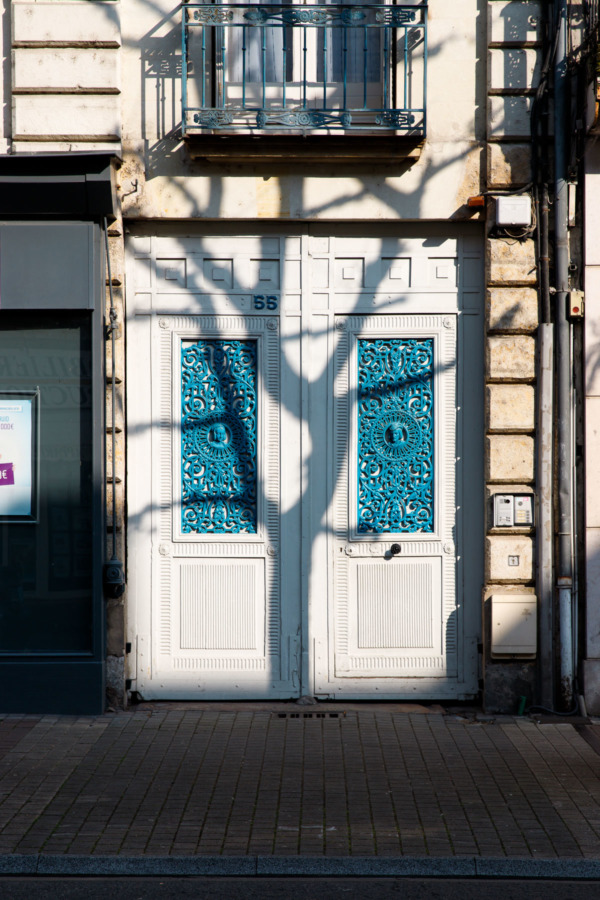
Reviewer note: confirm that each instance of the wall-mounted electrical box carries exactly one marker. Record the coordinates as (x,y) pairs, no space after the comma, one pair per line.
(575,304)
(513,510)
(514,625)
(513,210)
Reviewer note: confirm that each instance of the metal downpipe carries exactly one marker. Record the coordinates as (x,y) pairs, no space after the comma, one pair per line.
(564,573)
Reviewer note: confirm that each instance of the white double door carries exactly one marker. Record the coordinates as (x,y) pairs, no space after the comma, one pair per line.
(292,467)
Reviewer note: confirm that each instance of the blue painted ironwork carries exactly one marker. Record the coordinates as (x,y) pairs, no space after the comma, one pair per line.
(218,437)
(304,119)
(395,436)
(213,15)
(213,118)
(396,118)
(353,67)
(306,15)
(396,15)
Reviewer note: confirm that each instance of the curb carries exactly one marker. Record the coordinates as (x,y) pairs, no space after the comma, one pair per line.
(265,866)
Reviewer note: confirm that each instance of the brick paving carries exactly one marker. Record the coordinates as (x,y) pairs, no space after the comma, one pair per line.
(365,782)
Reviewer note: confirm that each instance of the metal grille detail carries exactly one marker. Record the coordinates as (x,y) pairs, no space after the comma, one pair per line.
(395,436)
(218,437)
(274,68)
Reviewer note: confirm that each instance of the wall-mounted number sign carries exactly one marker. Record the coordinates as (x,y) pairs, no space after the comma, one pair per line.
(266,301)
(18,455)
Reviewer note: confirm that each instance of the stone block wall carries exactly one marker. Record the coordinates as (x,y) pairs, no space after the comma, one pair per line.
(65,79)
(115,609)
(514,59)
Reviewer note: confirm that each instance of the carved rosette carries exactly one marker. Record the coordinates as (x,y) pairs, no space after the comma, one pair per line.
(395,436)
(218,437)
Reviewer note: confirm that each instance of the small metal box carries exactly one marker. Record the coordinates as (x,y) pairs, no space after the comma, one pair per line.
(514,625)
(512,510)
(504,511)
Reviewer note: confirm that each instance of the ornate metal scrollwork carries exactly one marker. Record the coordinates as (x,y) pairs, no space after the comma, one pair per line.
(396,118)
(218,437)
(210,15)
(260,15)
(306,118)
(213,118)
(395,435)
(257,16)
(305,17)
(350,15)
(395,16)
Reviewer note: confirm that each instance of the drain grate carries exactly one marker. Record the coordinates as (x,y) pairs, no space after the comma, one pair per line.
(309,715)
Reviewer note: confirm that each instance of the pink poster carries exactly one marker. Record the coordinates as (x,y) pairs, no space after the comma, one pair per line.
(16,455)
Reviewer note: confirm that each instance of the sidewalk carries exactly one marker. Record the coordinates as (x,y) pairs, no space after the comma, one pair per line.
(282,788)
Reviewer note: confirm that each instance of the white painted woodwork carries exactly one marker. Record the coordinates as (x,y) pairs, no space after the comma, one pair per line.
(410,599)
(306,605)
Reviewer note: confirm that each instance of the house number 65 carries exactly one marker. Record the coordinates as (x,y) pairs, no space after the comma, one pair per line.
(265,301)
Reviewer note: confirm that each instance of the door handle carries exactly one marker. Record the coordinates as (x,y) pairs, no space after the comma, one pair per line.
(395,549)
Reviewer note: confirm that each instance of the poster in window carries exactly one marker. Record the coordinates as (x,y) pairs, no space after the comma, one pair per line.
(18,456)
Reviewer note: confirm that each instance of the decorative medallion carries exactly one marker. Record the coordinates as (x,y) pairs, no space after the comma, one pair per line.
(395,435)
(218,437)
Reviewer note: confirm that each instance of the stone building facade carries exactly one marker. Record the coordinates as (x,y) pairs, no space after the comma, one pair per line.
(378,276)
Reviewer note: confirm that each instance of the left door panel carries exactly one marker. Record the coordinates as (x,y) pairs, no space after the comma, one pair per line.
(208,438)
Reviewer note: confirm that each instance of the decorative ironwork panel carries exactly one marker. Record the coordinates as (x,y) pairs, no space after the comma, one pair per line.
(218,437)
(395,436)
(348,15)
(274,68)
(303,119)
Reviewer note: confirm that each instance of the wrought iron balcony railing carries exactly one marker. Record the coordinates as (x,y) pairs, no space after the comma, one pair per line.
(290,68)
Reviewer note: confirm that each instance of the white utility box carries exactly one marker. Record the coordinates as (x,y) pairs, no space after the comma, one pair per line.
(514,625)
(513,210)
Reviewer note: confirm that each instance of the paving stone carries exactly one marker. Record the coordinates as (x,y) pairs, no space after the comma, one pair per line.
(374,784)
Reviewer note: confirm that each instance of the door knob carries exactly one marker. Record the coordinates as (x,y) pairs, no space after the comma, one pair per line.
(395,549)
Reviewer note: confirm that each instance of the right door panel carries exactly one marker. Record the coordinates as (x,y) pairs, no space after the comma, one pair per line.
(394,610)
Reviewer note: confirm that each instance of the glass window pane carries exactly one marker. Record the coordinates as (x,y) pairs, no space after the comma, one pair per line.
(46,568)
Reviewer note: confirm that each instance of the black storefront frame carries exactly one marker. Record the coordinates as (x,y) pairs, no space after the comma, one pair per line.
(33,215)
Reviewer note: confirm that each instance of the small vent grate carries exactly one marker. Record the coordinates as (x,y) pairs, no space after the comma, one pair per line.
(309,715)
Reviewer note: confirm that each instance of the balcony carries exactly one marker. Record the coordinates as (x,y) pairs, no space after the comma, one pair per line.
(286,70)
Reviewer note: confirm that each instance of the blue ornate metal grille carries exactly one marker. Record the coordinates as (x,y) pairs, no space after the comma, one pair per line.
(272,67)
(395,436)
(218,437)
